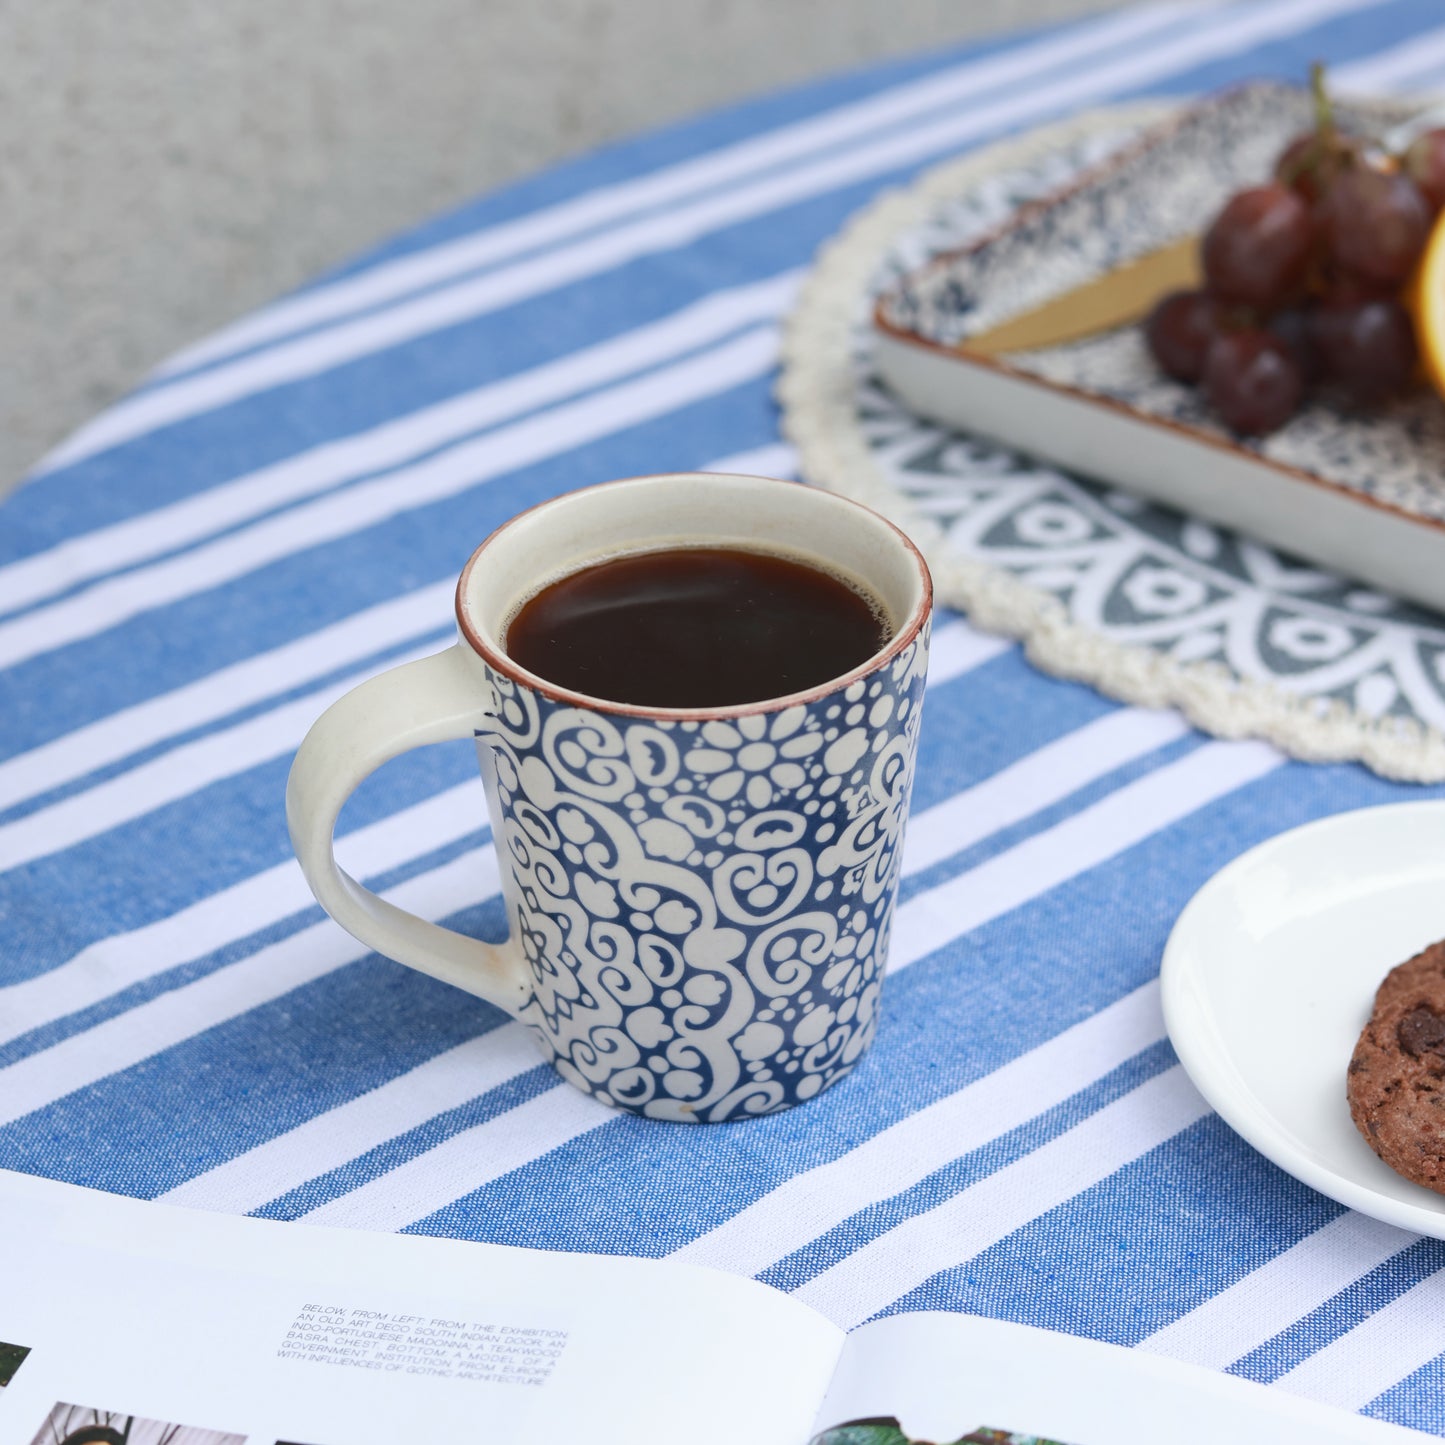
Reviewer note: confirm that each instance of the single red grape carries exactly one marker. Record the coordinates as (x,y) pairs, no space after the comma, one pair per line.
(1309,164)
(1295,327)
(1366,349)
(1294,169)
(1258,248)
(1179,331)
(1344,289)
(1375,224)
(1424,163)
(1251,381)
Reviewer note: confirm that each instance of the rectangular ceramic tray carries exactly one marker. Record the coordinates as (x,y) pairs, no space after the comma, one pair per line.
(1364,495)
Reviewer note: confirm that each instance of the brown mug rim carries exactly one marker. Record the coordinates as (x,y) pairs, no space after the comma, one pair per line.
(498,660)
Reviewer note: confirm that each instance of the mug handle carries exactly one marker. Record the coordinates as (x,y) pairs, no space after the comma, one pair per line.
(432,700)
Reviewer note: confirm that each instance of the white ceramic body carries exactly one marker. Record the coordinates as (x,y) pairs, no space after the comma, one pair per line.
(1270,974)
(699,900)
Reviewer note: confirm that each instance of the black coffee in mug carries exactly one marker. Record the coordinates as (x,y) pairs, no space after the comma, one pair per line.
(696,627)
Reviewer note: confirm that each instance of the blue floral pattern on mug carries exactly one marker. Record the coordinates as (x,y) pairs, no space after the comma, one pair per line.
(704,907)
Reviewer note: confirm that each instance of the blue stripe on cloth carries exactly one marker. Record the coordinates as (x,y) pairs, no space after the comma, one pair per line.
(165,978)
(199,1062)
(230,831)
(1142,1247)
(624,1189)
(877,1219)
(1417,1402)
(167,1119)
(1342,1311)
(1046,818)
(1349,37)
(966,747)
(355,396)
(434,639)
(401,1147)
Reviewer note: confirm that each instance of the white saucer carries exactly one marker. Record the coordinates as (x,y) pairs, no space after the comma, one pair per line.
(1268,978)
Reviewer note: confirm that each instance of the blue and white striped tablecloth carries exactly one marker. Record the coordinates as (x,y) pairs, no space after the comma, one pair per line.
(283,510)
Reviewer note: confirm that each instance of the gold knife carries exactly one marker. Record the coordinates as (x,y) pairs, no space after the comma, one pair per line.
(1117,298)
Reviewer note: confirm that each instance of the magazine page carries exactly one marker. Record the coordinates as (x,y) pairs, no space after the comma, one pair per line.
(124,1321)
(948,1378)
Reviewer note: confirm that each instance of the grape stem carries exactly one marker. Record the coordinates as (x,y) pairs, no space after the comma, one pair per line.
(1324,110)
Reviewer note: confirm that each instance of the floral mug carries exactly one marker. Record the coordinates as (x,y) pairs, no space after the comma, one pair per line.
(699,900)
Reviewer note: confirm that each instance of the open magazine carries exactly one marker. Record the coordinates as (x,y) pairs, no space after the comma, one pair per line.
(128,1323)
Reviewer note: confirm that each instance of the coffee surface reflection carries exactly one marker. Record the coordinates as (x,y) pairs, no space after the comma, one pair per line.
(696,627)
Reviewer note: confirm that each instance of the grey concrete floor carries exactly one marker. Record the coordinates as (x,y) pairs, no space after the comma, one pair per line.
(166,165)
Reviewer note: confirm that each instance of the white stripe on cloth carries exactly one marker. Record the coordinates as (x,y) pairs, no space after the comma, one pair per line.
(418,1188)
(228,690)
(320,351)
(1389,1346)
(412,617)
(466,1161)
(378,449)
(773,459)
(956,648)
(978,1217)
(176,774)
(1401,66)
(1256,1307)
(353,1129)
(926,922)
(808,1205)
(106,967)
(1037,781)
(171,1018)
(387,280)
(445,474)
(800,1210)
(477,1156)
(124,960)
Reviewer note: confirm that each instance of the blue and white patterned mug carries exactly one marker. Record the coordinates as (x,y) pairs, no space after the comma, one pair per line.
(699,900)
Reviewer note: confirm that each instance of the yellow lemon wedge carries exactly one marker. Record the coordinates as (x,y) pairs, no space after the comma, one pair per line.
(1425,300)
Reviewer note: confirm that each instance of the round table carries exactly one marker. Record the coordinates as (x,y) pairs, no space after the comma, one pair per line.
(283,510)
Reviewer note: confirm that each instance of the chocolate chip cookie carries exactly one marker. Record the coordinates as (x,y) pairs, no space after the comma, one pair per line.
(1396,1082)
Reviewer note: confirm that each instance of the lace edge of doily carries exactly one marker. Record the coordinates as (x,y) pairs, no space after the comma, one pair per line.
(818,418)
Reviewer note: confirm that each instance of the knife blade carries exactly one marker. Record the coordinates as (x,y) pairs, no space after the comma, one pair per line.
(1117,298)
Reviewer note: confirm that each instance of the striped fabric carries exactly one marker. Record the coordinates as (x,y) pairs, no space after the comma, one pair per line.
(282,510)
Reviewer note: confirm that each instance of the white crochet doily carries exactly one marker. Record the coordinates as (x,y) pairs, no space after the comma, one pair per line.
(1146,604)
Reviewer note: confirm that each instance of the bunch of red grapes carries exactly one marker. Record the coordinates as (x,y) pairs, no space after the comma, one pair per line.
(1303,281)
